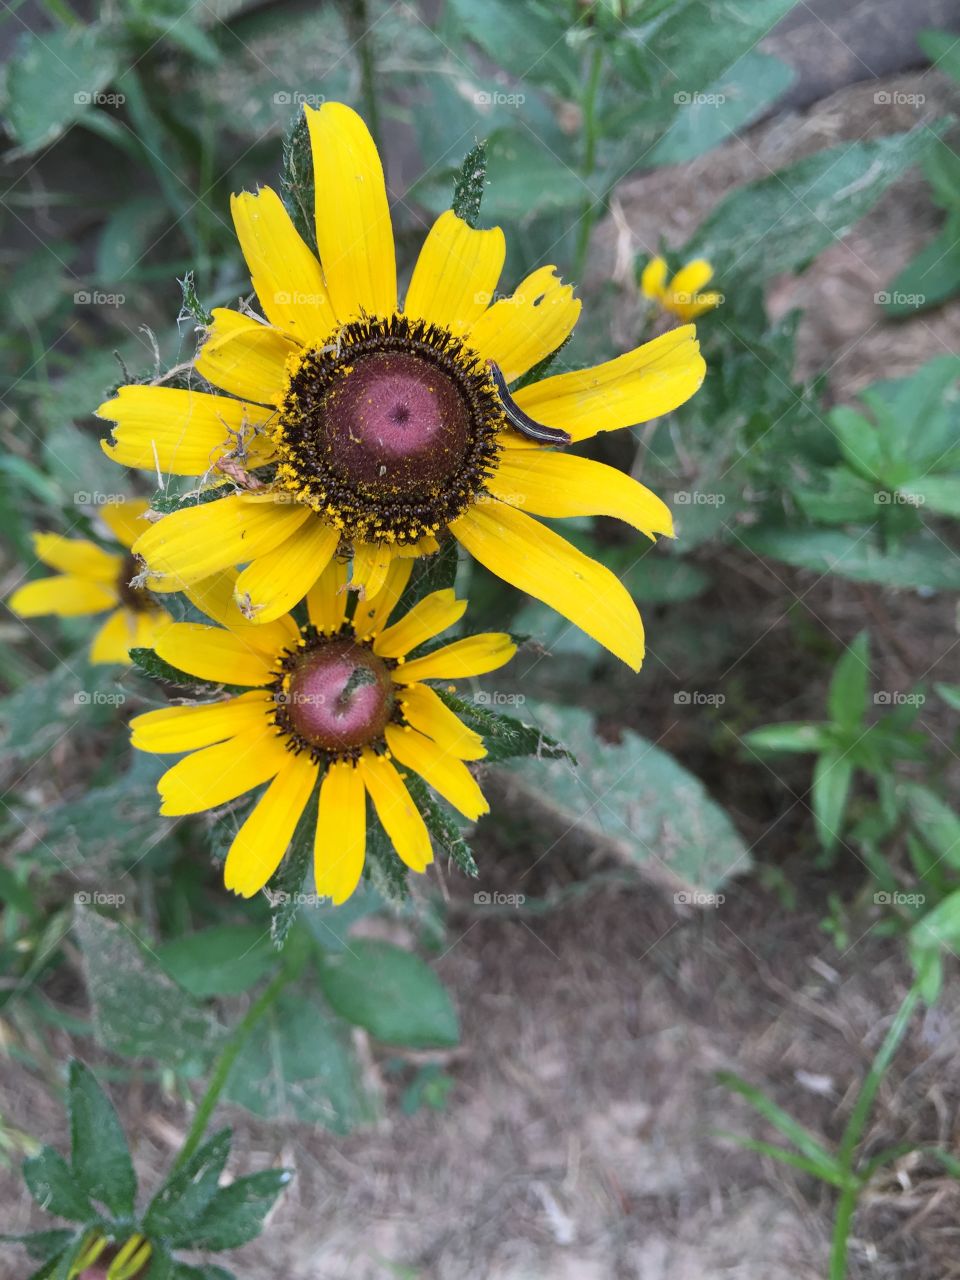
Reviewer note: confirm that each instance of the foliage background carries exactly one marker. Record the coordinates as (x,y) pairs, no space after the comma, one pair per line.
(531,1084)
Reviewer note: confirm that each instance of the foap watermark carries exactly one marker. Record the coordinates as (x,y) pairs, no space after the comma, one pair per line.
(884,298)
(294,98)
(496,899)
(95,898)
(698,698)
(97,98)
(684,98)
(898,899)
(897,698)
(280,898)
(498,698)
(496,98)
(697,898)
(699,498)
(897,98)
(98,698)
(691,299)
(84,499)
(894,498)
(96,298)
(297,299)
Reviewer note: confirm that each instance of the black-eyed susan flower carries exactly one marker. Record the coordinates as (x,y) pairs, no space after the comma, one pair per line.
(384,425)
(682,295)
(343,700)
(91,580)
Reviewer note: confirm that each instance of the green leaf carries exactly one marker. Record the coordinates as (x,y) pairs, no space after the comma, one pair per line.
(942,170)
(391,993)
(930,277)
(297,183)
(54,79)
(950,693)
(527,39)
(729,103)
(42,1246)
(156,668)
(224,960)
(847,699)
(469,184)
(287,888)
(388,874)
(815,1168)
(832,776)
(920,561)
(941,48)
(928,969)
(828,1166)
(786,737)
(100,1155)
(505,737)
(138,1011)
(235,1214)
(442,826)
(631,799)
(185,1196)
(192,305)
(127,237)
(937,493)
(934,820)
(939,927)
(430,573)
(300,1067)
(55,1188)
(794,214)
(182,1271)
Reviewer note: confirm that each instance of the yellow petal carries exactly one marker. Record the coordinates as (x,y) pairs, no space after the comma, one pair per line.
(175,431)
(691,278)
(245,357)
(456,273)
(125,519)
(535,559)
(214,597)
(214,775)
(200,540)
(77,557)
(431,615)
(64,595)
(128,629)
(636,387)
(689,311)
(278,580)
(258,847)
(371,614)
(471,656)
(148,626)
(399,816)
(172,729)
(327,598)
(654,278)
(214,654)
(519,331)
(340,844)
(550,484)
(371,564)
(354,232)
(285,273)
(445,773)
(426,711)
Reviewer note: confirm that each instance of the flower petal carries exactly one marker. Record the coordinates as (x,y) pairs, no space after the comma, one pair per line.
(456,273)
(426,711)
(214,654)
(445,773)
(273,583)
(128,629)
(690,310)
(214,597)
(691,277)
(654,278)
(258,847)
(327,598)
(200,540)
(471,656)
(340,844)
(169,429)
(534,558)
(354,232)
(125,519)
(245,357)
(212,776)
(636,387)
(371,564)
(172,729)
(371,614)
(284,271)
(398,814)
(551,484)
(65,595)
(519,331)
(431,615)
(77,557)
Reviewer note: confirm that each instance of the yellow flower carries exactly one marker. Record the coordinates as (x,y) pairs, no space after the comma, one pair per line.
(91,580)
(681,296)
(386,426)
(126,1263)
(339,700)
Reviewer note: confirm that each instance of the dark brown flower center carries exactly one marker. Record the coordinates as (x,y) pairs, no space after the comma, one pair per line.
(336,697)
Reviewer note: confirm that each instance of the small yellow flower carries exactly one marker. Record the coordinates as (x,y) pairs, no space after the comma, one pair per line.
(338,700)
(384,418)
(91,580)
(680,296)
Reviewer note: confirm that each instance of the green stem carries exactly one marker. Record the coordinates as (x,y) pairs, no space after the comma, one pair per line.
(589,151)
(225,1064)
(368,71)
(846,1207)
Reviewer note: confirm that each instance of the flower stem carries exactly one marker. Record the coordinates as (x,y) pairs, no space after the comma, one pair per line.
(589,152)
(368,74)
(225,1063)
